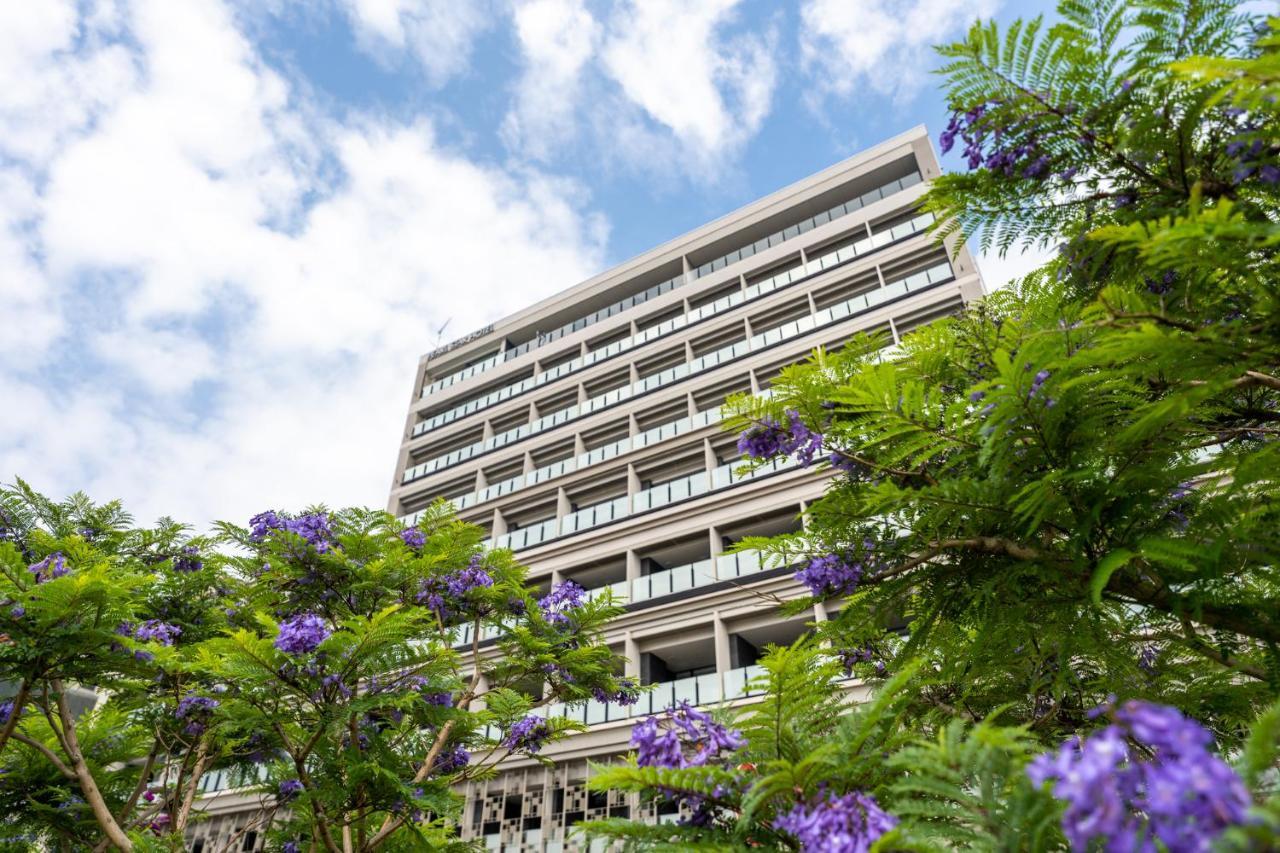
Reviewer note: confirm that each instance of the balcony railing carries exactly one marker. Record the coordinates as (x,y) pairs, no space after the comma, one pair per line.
(828,316)
(604,313)
(627,505)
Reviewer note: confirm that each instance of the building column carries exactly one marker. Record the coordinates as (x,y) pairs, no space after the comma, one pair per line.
(633,480)
(487,433)
(724,661)
(528,462)
(633,565)
(582,394)
(533,411)
(717,547)
(482,482)
(631,651)
(693,403)
(634,373)
(579,446)
(499,523)
(755,383)
(563,504)
(813,305)
(633,425)
(880,275)
(709,458)
(893,330)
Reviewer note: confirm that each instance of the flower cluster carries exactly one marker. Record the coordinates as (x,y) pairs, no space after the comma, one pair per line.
(413,537)
(1149,776)
(628,693)
(845,824)
(302,634)
(313,528)
(1037,383)
(153,630)
(768,438)
(985,145)
(1253,156)
(831,574)
(6,710)
(452,760)
(188,560)
(289,789)
(849,658)
(682,737)
(444,594)
(527,735)
(562,598)
(52,566)
(195,710)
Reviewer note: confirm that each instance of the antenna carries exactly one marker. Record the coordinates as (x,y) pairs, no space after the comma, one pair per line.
(440,331)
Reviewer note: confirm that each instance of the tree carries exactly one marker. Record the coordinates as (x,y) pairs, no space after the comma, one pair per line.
(321,651)
(1068,493)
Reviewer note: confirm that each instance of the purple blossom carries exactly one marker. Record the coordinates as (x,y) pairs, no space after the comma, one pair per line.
(453,760)
(17,611)
(627,693)
(846,824)
(312,527)
(1037,382)
(851,657)
(289,789)
(768,438)
(155,631)
(682,737)
(562,598)
(302,634)
(1171,789)
(831,574)
(290,847)
(413,537)
(192,705)
(188,560)
(527,735)
(6,710)
(52,566)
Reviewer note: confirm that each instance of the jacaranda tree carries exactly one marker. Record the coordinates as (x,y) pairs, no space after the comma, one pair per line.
(331,661)
(1052,523)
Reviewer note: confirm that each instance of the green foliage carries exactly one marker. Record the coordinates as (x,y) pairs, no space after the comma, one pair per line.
(192,649)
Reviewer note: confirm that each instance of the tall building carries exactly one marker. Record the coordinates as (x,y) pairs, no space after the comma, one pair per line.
(583,433)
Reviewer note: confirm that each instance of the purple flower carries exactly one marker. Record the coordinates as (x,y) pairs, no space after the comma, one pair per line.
(847,824)
(6,710)
(313,528)
(627,693)
(831,574)
(769,438)
(1172,789)
(188,560)
(413,537)
(192,705)
(1036,382)
(683,737)
(851,657)
(52,566)
(153,630)
(302,634)
(976,396)
(452,761)
(562,598)
(290,847)
(527,735)
(17,611)
(289,789)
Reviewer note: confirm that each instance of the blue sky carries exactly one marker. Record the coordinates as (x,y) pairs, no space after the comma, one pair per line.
(228,228)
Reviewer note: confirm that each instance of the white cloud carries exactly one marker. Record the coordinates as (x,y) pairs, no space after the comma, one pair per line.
(886,45)
(439,34)
(221,295)
(656,84)
(998,272)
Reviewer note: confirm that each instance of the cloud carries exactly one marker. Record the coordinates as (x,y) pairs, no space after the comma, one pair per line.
(847,46)
(438,34)
(657,82)
(998,272)
(220,292)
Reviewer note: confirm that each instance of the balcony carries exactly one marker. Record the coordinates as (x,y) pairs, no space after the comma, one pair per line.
(828,316)
(619,346)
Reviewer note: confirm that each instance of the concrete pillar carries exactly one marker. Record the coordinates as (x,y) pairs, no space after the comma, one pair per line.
(563,505)
(633,425)
(482,482)
(867,225)
(709,456)
(583,349)
(688,269)
(634,376)
(746,327)
(723,661)
(499,523)
(693,404)
(688,352)
(488,430)
(633,480)
(755,382)
(528,463)
(582,393)
(813,305)
(635,329)
(880,275)
(633,565)
(533,412)
(742,281)
(804,515)
(819,612)
(893,330)
(631,651)
(579,446)
(717,548)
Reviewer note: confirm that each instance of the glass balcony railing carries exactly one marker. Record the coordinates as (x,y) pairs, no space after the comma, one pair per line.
(719,263)
(828,316)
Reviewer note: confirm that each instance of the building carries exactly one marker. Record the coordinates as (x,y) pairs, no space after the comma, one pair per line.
(582,432)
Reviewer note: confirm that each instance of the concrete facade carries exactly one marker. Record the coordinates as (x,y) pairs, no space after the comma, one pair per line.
(583,432)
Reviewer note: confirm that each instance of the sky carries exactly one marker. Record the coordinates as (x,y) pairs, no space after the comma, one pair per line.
(229,228)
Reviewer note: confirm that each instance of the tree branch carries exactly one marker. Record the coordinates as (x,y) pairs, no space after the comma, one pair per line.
(88,785)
